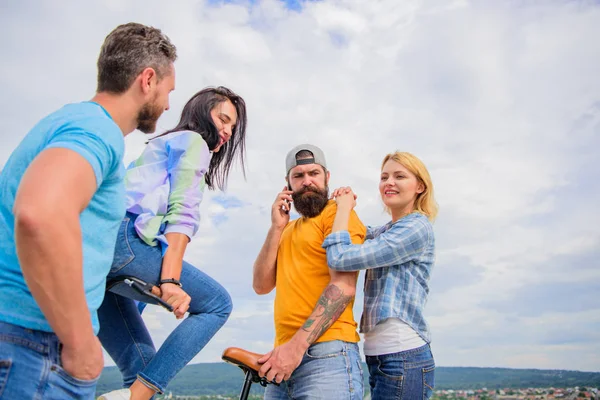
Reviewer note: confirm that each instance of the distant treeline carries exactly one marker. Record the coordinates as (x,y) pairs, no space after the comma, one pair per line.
(225,379)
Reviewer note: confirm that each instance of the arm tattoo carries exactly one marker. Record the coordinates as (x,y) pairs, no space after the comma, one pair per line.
(330,306)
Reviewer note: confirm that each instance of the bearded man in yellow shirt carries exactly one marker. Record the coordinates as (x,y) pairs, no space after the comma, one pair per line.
(316,354)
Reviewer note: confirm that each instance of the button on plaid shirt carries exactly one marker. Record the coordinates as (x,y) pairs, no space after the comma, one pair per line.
(398,258)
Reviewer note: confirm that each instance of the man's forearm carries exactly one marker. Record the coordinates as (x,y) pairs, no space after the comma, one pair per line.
(50,254)
(265,266)
(331,304)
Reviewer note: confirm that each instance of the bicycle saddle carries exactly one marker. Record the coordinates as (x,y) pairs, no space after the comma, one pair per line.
(242,358)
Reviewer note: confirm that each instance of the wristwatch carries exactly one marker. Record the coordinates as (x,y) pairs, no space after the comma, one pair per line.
(170,280)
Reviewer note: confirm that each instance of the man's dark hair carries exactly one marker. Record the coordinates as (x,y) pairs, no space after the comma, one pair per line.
(196,117)
(127,51)
(304,154)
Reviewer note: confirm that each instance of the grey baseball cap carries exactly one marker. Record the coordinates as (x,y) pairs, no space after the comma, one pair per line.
(317,158)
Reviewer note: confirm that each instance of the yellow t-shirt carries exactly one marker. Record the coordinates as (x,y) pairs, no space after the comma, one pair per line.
(303,274)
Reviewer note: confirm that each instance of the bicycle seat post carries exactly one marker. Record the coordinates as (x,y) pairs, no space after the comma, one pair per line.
(247,384)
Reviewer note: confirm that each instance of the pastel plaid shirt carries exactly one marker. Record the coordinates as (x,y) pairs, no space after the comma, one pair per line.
(398,258)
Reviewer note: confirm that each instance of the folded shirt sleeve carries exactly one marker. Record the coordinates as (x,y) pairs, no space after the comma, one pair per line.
(188,162)
(403,242)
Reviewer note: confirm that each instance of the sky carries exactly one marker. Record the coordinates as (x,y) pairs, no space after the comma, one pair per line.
(501,100)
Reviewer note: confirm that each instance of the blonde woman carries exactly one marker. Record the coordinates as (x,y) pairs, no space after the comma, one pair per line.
(398,258)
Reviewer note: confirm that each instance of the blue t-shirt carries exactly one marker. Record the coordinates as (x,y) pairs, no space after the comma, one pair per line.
(87,129)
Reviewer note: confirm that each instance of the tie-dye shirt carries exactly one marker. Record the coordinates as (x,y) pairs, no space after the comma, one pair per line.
(165,186)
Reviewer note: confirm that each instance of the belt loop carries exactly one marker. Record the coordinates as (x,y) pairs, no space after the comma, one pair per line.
(54,347)
(44,339)
(59,351)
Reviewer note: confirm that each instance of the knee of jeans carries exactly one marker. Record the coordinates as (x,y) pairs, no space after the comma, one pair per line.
(221,306)
(226,306)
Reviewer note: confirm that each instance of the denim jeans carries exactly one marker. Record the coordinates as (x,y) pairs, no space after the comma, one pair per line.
(329,370)
(407,375)
(30,367)
(123,333)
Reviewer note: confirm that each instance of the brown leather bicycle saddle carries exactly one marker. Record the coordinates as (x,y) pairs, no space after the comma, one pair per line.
(242,358)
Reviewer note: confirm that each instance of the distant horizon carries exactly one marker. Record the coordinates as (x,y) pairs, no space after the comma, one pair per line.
(437,366)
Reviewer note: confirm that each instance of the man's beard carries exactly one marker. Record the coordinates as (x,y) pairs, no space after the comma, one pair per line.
(148,116)
(310,201)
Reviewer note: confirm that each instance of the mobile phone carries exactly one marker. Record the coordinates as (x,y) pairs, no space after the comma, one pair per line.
(147,291)
(289,187)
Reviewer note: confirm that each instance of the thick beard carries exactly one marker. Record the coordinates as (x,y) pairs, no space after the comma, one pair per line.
(148,116)
(310,201)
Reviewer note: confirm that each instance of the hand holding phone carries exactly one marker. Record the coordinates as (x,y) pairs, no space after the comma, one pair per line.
(281,208)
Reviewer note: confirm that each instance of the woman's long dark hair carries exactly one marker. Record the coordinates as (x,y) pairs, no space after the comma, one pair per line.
(196,117)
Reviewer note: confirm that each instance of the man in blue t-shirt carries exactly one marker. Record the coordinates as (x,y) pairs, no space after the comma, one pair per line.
(61,203)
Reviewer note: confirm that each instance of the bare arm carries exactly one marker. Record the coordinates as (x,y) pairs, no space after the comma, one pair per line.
(265,266)
(342,218)
(346,201)
(171,269)
(280,362)
(332,303)
(173,258)
(54,190)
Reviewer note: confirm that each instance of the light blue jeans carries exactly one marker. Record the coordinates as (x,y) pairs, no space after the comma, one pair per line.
(30,367)
(329,370)
(407,375)
(122,330)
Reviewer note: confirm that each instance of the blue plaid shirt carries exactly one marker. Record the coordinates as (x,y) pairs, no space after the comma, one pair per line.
(398,258)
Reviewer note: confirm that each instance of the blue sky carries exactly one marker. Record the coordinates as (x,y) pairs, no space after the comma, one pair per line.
(501,101)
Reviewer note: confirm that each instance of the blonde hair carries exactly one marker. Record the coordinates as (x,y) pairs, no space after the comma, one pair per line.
(425,202)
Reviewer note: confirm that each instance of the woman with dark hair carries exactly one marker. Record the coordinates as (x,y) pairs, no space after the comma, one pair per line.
(164,190)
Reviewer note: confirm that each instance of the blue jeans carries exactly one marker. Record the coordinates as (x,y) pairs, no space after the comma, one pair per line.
(407,375)
(123,333)
(329,370)
(30,367)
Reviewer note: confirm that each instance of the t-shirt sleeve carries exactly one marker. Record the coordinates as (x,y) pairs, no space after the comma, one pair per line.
(356,228)
(102,148)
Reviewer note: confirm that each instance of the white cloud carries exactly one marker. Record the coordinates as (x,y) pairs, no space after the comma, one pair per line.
(501,101)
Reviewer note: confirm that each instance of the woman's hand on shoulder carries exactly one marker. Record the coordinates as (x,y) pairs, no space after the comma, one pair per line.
(177,298)
(344,197)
